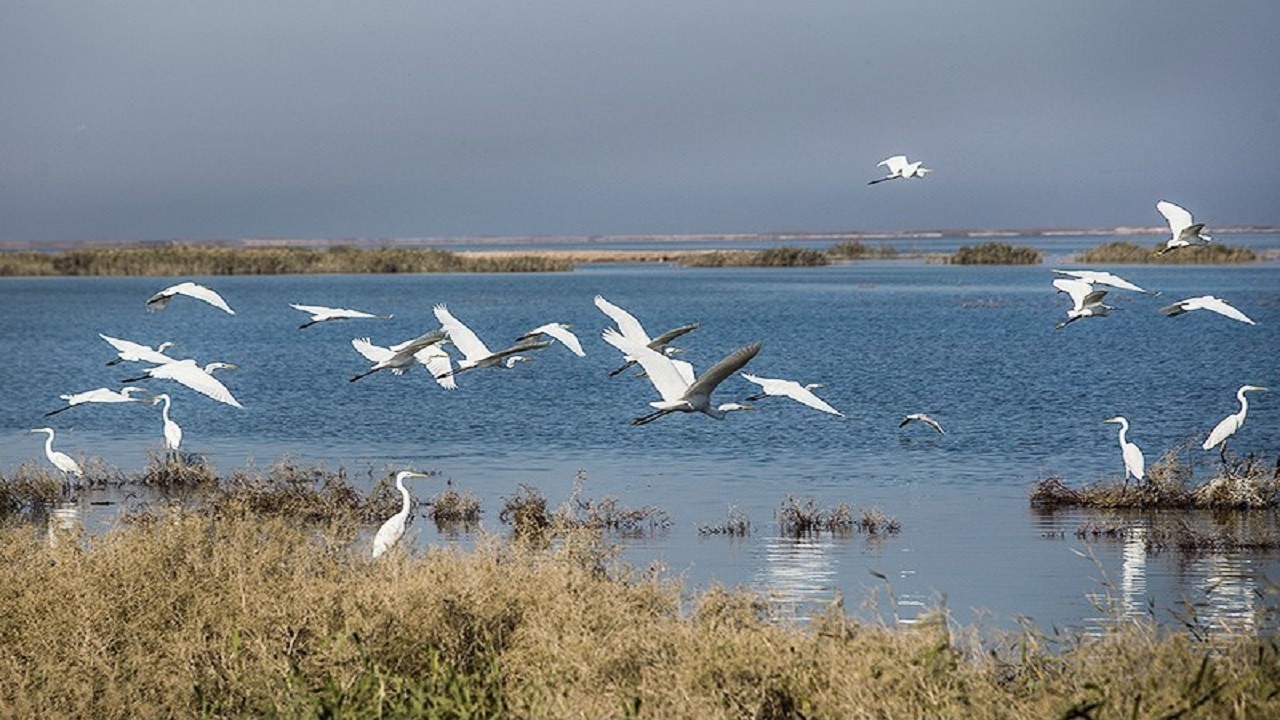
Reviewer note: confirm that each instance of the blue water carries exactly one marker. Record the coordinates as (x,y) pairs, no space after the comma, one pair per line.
(973,347)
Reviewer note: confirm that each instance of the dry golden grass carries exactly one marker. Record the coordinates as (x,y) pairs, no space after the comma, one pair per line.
(199,615)
(1124,251)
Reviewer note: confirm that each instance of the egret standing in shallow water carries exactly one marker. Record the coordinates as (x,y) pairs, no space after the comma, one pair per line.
(60,460)
(172,431)
(161,299)
(1134,464)
(391,531)
(679,392)
(1231,423)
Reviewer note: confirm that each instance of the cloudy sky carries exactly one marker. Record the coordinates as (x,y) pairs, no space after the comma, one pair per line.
(148,120)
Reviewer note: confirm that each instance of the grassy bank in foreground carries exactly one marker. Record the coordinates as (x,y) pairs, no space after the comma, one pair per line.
(206,260)
(233,613)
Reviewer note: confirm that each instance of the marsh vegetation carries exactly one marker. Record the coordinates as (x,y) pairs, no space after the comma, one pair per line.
(996,253)
(1124,251)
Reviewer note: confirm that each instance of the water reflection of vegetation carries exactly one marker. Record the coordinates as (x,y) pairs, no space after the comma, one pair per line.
(194,614)
(213,260)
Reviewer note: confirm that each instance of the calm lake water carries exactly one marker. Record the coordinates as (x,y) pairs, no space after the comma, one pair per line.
(974,347)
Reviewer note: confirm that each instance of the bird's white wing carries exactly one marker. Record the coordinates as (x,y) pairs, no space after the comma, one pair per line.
(372,353)
(142,352)
(895,164)
(313,309)
(199,292)
(124,346)
(805,396)
(332,313)
(1102,278)
(659,368)
(561,333)
(626,322)
(461,335)
(1222,307)
(188,373)
(1179,219)
(685,369)
(1077,289)
(438,364)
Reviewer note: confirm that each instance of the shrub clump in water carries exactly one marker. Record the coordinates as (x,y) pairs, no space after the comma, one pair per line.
(995,253)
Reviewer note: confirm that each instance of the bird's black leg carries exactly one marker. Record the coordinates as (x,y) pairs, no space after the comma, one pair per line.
(621,369)
(645,420)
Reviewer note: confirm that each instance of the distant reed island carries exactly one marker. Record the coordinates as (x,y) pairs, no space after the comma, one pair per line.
(235,259)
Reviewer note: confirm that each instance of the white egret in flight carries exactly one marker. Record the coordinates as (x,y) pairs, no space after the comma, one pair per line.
(475,353)
(1134,464)
(921,417)
(559,331)
(190,289)
(678,393)
(200,379)
(802,394)
(899,168)
(100,395)
(60,460)
(1185,232)
(397,358)
(172,431)
(1231,423)
(391,531)
(1206,302)
(439,364)
(130,351)
(1085,301)
(1097,277)
(631,328)
(320,313)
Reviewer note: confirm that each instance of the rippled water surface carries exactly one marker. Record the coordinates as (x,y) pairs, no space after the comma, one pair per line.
(974,347)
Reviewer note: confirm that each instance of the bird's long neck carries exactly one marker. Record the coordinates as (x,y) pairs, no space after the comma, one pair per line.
(48,444)
(1244,402)
(1124,428)
(404,494)
(164,411)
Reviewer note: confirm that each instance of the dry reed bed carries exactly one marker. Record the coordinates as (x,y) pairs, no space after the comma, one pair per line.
(1124,251)
(197,615)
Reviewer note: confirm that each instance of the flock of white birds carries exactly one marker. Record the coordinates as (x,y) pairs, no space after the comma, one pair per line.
(680,389)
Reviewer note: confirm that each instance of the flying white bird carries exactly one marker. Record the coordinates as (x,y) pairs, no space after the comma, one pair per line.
(320,313)
(559,331)
(130,351)
(921,417)
(190,289)
(678,393)
(1085,301)
(172,431)
(1096,277)
(60,460)
(391,531)
(101,395)
(439,364)
(1231,423)
(802,394)
(1206,302)
(1185,232)
(475,353)
(200,379)
(1134,464)
(631,328)
(397,358)
(899,168)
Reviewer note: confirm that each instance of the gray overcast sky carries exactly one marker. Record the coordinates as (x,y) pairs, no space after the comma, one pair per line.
(228,119)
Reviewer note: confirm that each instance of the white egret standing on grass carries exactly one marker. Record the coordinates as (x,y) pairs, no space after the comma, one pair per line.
(631,329)
(1185,232)
(1231,423)
(678,393)
(391,531)
(172,431)
(320,313)
(161,299)
(802,394)
(60,460)
(100,395)
(475,353)
(130,351)
(1206,302)
(1134,464)
(921,417)
(1085,301)
(397,358)
(1097,277)
(200,379)
(899,169)
(559,331)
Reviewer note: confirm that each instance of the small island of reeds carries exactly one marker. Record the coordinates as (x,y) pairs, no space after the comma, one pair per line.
(995,253)
(174,260)
(1124,251)
(783,256)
